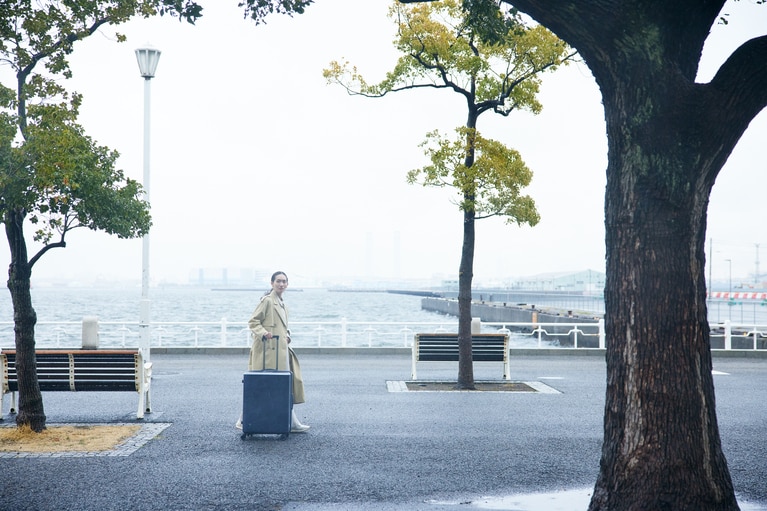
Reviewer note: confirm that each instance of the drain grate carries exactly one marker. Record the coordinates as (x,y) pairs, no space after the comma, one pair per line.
(480,386)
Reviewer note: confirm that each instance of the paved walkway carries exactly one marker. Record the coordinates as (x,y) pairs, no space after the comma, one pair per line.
(370,448)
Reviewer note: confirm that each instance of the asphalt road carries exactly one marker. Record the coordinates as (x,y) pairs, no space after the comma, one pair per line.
(368,448)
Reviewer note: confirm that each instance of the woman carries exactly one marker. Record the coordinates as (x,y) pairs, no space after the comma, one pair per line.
(270,319)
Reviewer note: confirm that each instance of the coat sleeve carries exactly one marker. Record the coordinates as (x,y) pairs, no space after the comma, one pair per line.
(261,321)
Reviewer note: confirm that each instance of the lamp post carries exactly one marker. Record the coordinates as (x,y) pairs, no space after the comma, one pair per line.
(147,58)
(729,292)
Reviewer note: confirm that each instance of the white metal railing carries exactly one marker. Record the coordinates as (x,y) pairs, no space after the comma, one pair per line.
(203,334)
(745,335)
(555,332)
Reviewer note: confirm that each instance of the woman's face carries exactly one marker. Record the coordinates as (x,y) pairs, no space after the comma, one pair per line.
(279,284)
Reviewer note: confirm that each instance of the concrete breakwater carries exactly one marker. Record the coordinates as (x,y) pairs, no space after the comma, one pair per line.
(553,325)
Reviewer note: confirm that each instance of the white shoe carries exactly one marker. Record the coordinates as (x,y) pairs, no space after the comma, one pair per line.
(295,424)
(238,424)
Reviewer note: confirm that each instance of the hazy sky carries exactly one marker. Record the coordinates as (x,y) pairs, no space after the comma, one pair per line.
(257,163)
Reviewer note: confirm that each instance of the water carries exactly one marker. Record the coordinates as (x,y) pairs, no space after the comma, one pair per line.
(190,304)
(316,316)
(206,317)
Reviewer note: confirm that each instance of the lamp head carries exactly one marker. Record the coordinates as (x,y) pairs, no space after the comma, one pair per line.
(147,58)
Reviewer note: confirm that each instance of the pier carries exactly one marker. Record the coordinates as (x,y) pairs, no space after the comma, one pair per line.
(524,318)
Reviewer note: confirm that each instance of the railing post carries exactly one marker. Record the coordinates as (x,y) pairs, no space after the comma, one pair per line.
(602,343)
(223,331)
(58,331)
(90,338)
(727,334)
(123,329)
(343,332)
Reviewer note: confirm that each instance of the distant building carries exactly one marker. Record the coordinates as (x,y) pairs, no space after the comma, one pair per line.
(586,281)
(229,277)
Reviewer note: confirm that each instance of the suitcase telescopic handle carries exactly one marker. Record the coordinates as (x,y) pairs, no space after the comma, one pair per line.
(276,354)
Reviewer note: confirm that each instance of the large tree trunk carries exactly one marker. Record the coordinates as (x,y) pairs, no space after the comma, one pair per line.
(31,410)
(668,137)
(661,445)
(667,141)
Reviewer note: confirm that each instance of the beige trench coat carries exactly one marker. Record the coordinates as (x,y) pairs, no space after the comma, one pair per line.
(271,315)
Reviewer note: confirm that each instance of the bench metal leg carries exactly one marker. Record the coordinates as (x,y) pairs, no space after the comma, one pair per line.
(144,404)
(140,412)
(506,371)
(145,382)
(148,403)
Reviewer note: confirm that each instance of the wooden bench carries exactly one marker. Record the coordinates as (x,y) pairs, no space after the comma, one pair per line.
(82,370)
(444,347)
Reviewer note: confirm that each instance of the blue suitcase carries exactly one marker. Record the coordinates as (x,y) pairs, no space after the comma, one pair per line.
(267,400)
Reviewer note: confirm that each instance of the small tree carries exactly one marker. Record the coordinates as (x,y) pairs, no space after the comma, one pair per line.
(441,49)
(488,177)
(51,174)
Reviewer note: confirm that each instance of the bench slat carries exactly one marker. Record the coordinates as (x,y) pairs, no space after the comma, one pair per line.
(441,347)
(84,370)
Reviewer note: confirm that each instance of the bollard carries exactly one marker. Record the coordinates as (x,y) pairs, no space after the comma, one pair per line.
(476,326)
(90,332)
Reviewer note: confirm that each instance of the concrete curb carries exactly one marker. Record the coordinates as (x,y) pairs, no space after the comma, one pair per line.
(354,351)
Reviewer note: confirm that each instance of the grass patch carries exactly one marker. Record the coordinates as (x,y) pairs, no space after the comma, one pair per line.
(89,438)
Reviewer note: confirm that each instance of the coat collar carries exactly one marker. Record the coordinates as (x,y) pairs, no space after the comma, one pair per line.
(280,307)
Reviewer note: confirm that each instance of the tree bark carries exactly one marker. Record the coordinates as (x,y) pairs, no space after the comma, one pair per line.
(466,268)
(668,137)
(31,412)
(465,275)
(661,445)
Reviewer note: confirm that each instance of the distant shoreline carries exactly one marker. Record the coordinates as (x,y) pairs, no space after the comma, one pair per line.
(251,289)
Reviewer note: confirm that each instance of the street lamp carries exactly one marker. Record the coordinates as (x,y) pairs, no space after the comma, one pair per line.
(730,301)
(729,293)
(148,58)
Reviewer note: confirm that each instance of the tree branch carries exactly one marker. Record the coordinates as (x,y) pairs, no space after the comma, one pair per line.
(46,248)
(448,84)
(23,73)
(742,79)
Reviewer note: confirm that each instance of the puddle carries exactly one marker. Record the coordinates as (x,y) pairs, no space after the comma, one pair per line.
(570,500)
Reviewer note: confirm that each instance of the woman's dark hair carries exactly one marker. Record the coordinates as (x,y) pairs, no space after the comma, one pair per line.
(274,277)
